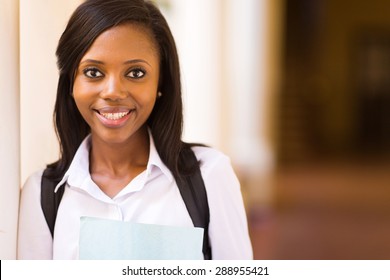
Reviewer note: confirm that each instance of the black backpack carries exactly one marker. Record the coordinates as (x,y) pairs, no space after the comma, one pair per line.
(191,188)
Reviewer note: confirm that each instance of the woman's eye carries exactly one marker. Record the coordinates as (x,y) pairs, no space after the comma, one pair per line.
(136,73)
(92,73)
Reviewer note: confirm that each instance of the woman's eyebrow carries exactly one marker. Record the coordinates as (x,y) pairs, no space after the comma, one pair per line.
(132,61)
(92,61)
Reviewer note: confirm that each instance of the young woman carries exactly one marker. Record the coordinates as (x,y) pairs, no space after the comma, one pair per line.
(118,117)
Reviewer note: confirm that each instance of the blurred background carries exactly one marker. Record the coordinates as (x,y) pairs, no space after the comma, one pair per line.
(296,92)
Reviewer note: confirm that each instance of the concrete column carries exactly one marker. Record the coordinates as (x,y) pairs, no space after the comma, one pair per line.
(41,25)
(9,127)
(252,46)
(196,26)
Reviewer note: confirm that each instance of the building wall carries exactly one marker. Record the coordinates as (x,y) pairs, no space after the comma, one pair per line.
(9,127)
(41,25)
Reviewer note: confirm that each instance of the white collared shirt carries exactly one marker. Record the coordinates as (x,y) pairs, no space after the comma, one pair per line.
(151,198)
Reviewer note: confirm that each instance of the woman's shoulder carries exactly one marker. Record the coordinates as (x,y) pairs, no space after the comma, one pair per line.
(208,153)
(33,182)
(211,159)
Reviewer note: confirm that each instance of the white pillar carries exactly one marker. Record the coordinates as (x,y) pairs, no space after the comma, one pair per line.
(9,127)
(41,25)
(230,55)
(252,44)
(196,27)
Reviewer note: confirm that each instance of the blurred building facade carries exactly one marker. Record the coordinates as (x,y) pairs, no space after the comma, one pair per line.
(331,182)
(336,80)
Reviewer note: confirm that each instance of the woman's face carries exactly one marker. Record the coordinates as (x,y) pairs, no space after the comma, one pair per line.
(116,82)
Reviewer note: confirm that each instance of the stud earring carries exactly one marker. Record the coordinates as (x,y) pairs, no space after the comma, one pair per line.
(159,94)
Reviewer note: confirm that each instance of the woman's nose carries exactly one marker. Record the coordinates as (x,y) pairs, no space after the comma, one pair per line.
(114,89)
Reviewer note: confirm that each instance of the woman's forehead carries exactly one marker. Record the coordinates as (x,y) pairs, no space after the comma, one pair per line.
(127,40)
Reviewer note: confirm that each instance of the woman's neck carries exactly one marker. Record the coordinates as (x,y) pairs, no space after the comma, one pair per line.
(120,159)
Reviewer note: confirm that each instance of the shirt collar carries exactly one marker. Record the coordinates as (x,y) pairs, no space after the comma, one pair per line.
(78,171)
(155,160)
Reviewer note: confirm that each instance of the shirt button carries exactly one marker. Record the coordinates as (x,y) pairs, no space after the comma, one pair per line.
(114,212)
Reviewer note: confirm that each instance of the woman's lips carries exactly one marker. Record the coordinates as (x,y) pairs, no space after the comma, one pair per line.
(113,116)
(116,109)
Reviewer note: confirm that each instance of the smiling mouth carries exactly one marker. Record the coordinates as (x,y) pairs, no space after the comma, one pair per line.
(113,115)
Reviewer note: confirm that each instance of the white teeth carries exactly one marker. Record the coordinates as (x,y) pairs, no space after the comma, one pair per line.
(114,116)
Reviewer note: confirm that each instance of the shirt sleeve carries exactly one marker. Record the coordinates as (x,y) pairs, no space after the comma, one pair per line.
(34,238)
(228,229)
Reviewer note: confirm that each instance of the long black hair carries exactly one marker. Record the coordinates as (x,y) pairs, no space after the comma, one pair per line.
(88,21)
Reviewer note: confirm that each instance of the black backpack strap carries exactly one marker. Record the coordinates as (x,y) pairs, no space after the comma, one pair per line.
(193,191)
(50,200)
